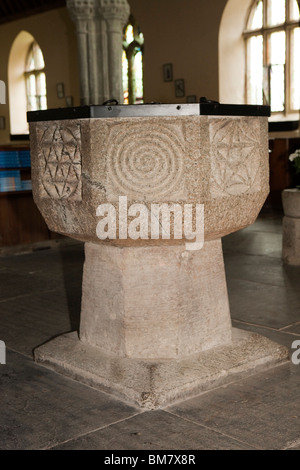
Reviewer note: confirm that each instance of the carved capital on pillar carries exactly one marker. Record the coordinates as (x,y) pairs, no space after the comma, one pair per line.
(81,10)
(114,10)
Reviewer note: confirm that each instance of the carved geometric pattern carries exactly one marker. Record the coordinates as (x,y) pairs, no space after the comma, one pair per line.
(61,168)
(114,9)
(235,156)
(145,162)
(82,9)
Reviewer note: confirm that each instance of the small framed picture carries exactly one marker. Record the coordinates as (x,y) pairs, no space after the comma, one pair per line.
(69,101)
(60,89)
(2,122)
(191,99)
(179,88)
(168,72)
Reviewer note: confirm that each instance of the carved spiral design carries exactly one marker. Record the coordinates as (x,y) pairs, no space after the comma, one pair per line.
(146,161)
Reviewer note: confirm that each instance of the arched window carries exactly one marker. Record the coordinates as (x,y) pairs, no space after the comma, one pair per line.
(26,81)
(133,63)
(272,39)
(35,78)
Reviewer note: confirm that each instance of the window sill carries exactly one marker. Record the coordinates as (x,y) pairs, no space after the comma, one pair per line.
(19,137)
(284,129)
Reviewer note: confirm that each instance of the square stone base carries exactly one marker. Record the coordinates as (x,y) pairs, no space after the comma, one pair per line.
(154,384)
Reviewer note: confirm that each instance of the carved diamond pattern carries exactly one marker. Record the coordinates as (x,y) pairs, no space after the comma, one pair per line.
(61,151)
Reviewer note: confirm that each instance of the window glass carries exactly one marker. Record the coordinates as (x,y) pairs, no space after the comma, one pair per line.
(35,79)
(256,21)
(295,69)
(277,48)
(255,70)
(132,64)
(125,77)
(273,66)
(294,10)
(276,12)
(138,71)
(277,71)
(129,34)
(277,85)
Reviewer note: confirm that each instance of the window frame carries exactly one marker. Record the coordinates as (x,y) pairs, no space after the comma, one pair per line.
(265,31)
(35,72)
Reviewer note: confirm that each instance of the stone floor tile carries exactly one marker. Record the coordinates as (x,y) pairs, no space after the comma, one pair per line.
(263,269)
(30,321)
(254,243)
(40,409)
(156,430)
(263,304)
(295,329)
(263,410)
(280,337)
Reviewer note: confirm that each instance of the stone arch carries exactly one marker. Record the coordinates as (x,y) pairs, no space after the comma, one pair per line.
(232,67)
(16,83)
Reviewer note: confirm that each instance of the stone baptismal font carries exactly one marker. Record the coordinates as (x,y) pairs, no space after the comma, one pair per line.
(155,319)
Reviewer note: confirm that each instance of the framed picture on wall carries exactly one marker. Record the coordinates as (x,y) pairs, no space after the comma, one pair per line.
(168,72)
(69,101)
(60,89)
(191,99)
(179,88)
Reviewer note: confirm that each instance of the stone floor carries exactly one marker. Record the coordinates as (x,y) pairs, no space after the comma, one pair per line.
(39,409)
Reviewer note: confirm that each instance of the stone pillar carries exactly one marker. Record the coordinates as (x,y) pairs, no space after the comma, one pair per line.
(115,13)
(99,25)
(84,15)
(103,61)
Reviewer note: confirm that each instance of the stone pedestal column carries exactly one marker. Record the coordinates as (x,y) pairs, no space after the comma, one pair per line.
(155,302)
(291,227)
